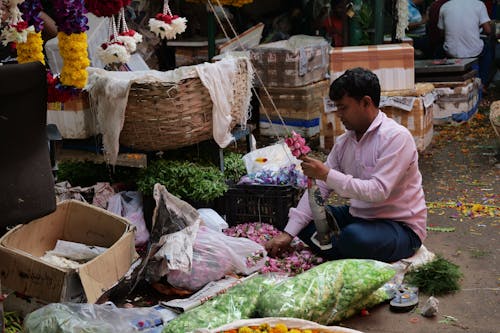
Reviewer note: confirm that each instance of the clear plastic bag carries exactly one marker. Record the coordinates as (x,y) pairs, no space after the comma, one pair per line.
(128,204)
(215,255)
(91,318)
(237,303)
(327,292)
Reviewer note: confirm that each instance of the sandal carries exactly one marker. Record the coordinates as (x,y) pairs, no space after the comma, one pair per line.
(405,299)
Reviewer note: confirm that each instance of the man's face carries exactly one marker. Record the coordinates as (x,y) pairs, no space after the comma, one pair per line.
(350,112)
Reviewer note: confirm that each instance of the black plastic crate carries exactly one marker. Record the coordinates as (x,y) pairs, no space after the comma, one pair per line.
(260,203)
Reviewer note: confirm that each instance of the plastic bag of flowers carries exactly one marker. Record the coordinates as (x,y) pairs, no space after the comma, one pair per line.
(325,293)
(216,255)
(278,325)
(237,303)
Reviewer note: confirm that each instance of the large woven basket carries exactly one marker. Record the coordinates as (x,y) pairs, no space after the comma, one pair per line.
(164,116)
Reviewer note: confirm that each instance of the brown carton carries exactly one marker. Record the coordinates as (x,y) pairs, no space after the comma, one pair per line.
(23,271)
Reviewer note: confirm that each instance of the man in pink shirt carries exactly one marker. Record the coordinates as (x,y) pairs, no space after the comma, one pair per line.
(375,165)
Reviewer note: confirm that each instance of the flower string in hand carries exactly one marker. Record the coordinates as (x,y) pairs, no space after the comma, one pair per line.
(297,144)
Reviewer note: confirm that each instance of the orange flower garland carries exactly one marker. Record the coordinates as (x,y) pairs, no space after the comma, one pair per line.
(32,50)
(73,49)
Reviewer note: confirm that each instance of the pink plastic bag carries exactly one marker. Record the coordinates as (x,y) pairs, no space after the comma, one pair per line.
(215,255)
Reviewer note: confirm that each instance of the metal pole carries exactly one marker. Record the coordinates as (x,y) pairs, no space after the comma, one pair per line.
(211,35)
(378,37)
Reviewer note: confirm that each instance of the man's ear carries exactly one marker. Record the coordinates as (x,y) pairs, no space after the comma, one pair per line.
(367,101)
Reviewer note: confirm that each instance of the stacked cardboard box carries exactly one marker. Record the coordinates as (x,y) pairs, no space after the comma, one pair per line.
(292,75)
(411,108)
(393,63)
(456,101)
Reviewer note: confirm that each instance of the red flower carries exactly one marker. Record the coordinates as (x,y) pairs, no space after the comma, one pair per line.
(20,26)
(166,18)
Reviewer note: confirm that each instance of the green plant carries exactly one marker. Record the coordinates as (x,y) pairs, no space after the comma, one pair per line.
(89,173)
(364,17)
(437,277)
(234,167)
(186,180)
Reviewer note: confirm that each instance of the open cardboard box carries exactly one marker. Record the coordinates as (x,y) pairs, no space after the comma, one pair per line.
(23,271)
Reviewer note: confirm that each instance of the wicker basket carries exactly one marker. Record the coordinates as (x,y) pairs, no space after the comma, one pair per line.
(164,116)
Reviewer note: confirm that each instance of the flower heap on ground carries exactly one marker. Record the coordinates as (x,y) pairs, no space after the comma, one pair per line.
(296,260)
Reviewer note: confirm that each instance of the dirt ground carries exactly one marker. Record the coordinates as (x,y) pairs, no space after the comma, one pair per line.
(460,167)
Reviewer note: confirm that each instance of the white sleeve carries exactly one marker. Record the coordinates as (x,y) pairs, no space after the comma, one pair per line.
(483,14)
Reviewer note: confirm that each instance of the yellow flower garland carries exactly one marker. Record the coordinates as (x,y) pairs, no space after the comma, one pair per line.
(32,50)
(73,49)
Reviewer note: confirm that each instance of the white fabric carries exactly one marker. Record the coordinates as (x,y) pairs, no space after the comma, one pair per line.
(461,21)
(109,91)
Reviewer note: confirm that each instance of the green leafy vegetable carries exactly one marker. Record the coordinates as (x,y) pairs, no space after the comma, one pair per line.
(186,180)
(437,277)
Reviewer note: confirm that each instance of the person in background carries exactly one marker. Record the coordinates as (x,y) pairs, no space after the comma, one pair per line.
(461,22)
(436,38)
(416,27)
(374,164)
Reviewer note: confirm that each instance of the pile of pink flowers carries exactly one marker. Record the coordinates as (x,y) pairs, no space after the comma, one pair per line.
(297,260)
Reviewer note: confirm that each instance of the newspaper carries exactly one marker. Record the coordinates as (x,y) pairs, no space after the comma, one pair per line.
(208,292)
(401,102)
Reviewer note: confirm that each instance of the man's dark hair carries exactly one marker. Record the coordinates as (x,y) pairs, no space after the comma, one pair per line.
(356,83)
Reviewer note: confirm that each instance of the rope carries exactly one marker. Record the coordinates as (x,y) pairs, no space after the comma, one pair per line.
(256,73)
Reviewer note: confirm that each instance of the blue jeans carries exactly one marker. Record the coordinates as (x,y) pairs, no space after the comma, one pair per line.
(383,240)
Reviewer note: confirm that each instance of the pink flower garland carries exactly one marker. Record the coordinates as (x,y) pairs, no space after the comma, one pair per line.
(297,260)
(297,145)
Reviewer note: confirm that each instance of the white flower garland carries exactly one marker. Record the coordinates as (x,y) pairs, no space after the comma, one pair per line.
(168,31)
(129,43)
(11,34)
(113,53)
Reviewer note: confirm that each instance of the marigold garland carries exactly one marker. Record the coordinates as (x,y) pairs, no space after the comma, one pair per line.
(73,49)
(32,50)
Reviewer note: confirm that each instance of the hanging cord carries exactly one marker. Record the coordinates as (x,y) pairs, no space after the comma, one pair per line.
(256,73)
(123,23)
(166,8)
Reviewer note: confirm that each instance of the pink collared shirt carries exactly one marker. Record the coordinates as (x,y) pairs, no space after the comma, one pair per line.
(379,174)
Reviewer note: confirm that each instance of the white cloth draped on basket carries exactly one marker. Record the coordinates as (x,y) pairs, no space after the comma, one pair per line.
(223,79)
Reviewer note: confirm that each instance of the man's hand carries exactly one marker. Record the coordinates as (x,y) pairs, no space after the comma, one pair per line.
(278,244)
(313,168)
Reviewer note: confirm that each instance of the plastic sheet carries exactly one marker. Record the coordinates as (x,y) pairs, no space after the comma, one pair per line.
(215,255)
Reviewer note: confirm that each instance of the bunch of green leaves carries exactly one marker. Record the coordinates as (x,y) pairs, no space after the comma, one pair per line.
(234,167)
(364,17)
(89,173)
(437,277)
(186,180)
(13,323)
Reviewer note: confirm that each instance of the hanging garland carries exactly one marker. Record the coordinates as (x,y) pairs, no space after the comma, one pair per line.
(402,18)
(166,25)
(32,49)
(16,30)
(72,24)
(234,3)
(106,8)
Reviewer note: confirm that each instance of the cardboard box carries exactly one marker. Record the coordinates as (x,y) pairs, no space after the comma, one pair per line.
(411,108)
(393,63)
(300,108)
(73,118)
(295,62)
(23,271)
(457,101)
(192,52)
